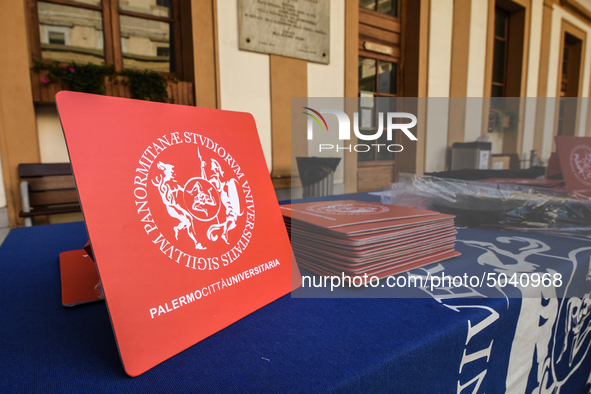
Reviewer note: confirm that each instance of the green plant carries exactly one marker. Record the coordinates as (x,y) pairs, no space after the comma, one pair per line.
(90,78)
(147,85)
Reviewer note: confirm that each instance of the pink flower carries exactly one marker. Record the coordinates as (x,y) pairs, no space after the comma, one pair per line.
(45,80)
(72,70)
(64,67)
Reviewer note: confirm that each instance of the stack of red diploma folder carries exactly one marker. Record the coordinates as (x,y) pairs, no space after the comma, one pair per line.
(357,238)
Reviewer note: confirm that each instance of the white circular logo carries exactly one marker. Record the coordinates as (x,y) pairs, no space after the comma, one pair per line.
(348,208)
(194,201)
(580,163)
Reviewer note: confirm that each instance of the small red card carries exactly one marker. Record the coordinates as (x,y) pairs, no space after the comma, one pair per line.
(79,278)
(184,222)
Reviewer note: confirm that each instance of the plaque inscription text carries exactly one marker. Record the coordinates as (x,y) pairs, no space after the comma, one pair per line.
(293,28)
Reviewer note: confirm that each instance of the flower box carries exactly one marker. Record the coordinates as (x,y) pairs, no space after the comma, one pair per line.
(44,93)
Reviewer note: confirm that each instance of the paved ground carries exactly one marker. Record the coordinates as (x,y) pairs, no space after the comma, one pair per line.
(3,234)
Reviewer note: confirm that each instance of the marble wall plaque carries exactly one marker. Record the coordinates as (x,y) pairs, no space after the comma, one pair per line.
(292,28)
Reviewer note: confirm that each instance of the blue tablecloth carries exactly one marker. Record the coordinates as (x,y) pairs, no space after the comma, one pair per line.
(424,345)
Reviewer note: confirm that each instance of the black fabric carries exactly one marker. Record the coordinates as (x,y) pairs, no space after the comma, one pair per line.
(494,204)
(315,169)
(474,175)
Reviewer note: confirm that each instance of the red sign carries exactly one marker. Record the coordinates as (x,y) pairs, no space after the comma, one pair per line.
(182,216)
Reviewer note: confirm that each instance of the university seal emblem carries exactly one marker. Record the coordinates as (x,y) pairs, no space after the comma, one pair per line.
(194,200)
(580,163)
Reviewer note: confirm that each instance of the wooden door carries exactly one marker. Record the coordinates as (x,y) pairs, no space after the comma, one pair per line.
(379,78)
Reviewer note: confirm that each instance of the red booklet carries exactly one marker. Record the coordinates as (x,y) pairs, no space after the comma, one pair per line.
(574,154)
(182,216)
(334,214)
(359,238)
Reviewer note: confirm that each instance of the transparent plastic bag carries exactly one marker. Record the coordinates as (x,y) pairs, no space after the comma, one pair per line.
(474,204)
